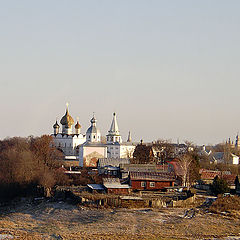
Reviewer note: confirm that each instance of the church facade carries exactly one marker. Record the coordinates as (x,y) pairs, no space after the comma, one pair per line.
(88,148)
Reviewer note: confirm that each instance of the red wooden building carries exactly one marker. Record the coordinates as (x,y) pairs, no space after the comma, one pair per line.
(151,180)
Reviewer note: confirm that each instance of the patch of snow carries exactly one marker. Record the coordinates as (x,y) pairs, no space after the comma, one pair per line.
(5,236)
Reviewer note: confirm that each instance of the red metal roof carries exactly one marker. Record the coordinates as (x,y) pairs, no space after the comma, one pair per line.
(211,174)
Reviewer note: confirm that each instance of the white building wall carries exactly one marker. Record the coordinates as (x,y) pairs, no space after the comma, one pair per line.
(126,151)
(93,137)
(68,143)
(120,150)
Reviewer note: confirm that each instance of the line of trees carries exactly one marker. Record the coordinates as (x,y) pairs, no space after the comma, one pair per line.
(27,164)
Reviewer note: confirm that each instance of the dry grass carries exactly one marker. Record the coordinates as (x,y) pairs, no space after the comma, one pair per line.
(230,204)
(64,221)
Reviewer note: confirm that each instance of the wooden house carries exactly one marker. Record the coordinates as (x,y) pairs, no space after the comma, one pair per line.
(151,180)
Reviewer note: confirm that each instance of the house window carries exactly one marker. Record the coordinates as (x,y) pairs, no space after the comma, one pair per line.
(152,184)
(143,184)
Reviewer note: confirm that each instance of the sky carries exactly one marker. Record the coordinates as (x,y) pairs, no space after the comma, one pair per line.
(169,69)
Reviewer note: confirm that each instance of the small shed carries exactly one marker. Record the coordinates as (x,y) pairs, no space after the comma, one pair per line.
(96,188)
(113,185)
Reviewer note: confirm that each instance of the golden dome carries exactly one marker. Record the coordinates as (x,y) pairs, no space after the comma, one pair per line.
(67,120)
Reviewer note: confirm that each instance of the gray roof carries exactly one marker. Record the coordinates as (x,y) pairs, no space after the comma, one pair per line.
(113,143)
(92,129)
(114,162)
(110,168)
(123,143)
(114,183)
(144,168)
(218,155)
(96,186)
(94,144)
(157,176)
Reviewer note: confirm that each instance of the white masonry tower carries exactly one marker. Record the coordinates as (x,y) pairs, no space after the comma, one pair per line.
(114,134)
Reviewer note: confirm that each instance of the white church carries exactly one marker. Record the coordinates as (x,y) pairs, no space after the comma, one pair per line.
(88,148)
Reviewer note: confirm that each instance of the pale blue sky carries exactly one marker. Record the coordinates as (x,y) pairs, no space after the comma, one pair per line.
(170,69)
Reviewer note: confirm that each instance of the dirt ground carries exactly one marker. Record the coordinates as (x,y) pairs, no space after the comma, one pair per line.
(64,221)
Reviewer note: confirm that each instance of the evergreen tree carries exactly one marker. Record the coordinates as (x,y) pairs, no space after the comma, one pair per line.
(219,186)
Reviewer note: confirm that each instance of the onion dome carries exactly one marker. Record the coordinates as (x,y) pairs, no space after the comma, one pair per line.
(78,126)
(67,120)
(56,125)
(93,128)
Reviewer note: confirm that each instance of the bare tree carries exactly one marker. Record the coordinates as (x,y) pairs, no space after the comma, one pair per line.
(190,145)
(184,163)
(47,180)
(165,150)
(26,163)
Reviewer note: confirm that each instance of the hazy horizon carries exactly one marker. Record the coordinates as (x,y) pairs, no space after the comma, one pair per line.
(169,69)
